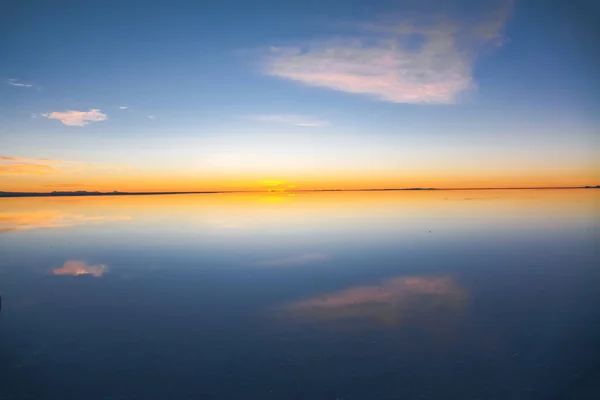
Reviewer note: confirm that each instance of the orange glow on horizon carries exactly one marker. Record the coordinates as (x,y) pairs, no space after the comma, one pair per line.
(166,183)
(283,175)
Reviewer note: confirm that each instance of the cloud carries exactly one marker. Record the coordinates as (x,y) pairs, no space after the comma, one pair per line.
(77,267)
(77,118)
(49,219)
(425,61)
(42,166)
(31,169)
(152,116)
(123,108)
(14,82)
(34,166)
(394,300)
(393,290)
(296,120)
(22,159)
(293,261)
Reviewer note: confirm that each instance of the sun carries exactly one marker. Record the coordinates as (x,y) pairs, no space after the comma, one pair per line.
(275,186)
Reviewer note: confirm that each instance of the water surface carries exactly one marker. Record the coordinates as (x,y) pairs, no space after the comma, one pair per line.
(386,295)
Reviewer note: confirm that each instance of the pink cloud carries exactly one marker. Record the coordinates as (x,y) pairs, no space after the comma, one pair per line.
(384,71)
(385,62)
(395,301)
(77,118)
(76,268)
(392,291)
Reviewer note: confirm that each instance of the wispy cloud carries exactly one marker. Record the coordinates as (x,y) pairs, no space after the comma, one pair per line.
(152,116)
(15,82)
(77,267)
(36,166)
(405,61)
(287,119)
(77,118)
(293,261)
(393,301)
(49,219)
(390,291)
(22,159)
(123,108)
(26,168)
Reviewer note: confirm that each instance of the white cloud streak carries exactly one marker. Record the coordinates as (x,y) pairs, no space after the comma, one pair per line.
(293,261)
(123,108)
(77,118)
(296,120)
(15,82)
(403,62)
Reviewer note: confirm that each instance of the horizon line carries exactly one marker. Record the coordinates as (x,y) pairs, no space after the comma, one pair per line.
(83,193)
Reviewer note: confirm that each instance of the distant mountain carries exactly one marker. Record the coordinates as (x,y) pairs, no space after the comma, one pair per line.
(86,193)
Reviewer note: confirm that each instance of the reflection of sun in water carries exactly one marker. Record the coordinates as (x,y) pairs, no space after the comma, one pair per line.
(76,268)
(276,198)
(273,199)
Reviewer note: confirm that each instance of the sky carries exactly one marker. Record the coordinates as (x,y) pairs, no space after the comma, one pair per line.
(287,95)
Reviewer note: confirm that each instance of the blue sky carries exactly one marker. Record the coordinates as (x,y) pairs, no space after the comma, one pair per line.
(297,88)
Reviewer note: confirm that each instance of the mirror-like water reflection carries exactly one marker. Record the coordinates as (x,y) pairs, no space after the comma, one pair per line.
(391,295)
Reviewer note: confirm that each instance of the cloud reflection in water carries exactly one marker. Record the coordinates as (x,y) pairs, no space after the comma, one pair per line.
(394,301)
(49,219)
(293,261)
(77,267)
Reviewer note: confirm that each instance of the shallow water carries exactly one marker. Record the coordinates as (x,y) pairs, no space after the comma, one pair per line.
(380,295)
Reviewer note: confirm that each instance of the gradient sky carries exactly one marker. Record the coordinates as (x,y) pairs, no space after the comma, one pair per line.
(187,95)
